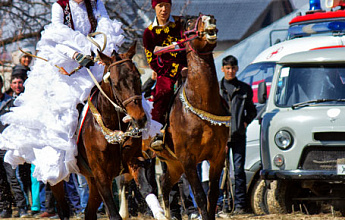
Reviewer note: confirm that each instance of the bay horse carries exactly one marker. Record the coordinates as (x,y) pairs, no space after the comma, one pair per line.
(198,123)
(109,146)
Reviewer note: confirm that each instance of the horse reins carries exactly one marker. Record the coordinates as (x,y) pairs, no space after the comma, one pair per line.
(132,98)
(113,136)
(187,40)
(197,34)
(117,63)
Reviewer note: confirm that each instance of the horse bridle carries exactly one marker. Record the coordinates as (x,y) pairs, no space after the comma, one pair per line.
(197,34)
(116,136)
(194,30)
(130,99)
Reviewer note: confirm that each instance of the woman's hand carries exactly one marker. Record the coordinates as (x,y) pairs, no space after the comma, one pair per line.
(101,63)
(83,60)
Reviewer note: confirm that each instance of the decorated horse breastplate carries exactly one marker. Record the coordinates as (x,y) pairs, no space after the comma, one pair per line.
(213,119)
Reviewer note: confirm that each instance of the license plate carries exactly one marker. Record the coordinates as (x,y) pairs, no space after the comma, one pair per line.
(341,169)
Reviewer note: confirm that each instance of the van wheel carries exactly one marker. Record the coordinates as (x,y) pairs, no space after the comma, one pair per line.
(277,197)
(259,198)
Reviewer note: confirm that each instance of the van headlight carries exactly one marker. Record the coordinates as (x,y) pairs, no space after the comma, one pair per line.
(283,139)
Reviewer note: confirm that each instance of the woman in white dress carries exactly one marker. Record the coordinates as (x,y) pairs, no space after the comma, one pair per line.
(42,125)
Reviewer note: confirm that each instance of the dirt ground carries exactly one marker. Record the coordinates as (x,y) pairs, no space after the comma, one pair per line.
(294,216)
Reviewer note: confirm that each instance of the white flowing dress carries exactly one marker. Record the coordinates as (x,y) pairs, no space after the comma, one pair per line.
(42,126)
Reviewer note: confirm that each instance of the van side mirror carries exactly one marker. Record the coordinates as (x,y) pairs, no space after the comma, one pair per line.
(262,93)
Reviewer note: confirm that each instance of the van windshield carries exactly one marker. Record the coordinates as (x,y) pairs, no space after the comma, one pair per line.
(313,84)
(256,73)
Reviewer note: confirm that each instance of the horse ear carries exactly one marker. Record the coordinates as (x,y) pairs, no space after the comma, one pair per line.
(114,53)
(93,53)
(104,58)
(132,50)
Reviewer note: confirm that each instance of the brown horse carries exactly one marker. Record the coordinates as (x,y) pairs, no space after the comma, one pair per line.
(107,145)
(198,122)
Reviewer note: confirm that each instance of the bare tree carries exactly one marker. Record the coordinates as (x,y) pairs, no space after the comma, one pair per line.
(22,21)
(25,19)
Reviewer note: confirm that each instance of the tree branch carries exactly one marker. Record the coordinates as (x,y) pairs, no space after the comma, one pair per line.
(20,37)
(5,3)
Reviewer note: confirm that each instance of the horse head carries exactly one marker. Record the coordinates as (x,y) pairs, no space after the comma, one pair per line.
(124,79)
(202,31)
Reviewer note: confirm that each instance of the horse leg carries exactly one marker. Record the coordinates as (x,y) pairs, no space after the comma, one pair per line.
(62,205)
(166,189)
(138,171)
(123,198)
(104,186)
(198,191)
(94,200)
(214,176)
(171,176)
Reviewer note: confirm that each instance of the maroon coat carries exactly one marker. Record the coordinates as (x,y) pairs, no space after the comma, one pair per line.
(168,66)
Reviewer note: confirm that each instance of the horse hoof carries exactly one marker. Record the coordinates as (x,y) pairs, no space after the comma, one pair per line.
(160,216)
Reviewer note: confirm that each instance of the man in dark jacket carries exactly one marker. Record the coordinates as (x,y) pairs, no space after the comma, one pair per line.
(8,180)
(239,96)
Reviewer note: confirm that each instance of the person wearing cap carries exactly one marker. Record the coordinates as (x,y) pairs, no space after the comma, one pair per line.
(45,116)
(5,195)
(165,30)
(9,182)
(18,77)
(24,62)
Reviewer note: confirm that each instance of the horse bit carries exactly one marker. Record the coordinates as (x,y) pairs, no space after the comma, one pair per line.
(116,136)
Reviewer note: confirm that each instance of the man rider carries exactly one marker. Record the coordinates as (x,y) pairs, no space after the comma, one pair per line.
(164,31)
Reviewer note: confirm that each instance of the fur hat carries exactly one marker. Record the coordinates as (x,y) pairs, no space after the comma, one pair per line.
(155,2)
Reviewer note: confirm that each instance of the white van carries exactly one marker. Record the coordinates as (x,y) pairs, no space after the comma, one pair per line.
(313,31)
(303,134)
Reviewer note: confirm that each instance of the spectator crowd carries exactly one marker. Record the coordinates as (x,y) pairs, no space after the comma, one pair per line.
(21,191)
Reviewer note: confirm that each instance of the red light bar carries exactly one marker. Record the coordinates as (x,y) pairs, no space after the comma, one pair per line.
(318,16)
